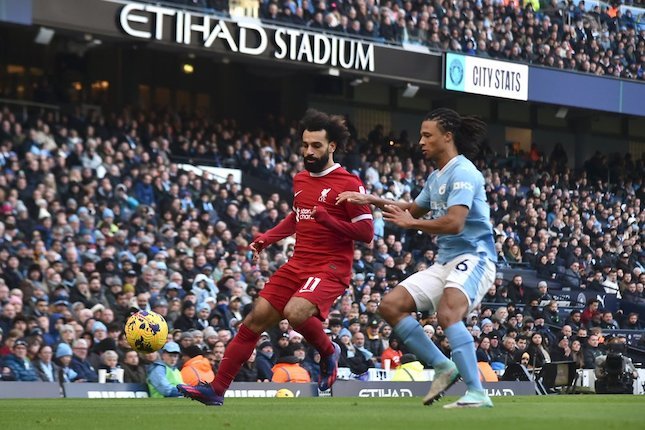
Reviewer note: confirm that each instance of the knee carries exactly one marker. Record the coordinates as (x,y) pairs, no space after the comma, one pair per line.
(444,320)
(253,322)
(447,316)
(390,311)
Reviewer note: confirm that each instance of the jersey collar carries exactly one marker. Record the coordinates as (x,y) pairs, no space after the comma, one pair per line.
(326,171)
(447,166)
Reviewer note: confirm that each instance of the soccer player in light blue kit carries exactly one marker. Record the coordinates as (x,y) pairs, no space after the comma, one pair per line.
(465,264)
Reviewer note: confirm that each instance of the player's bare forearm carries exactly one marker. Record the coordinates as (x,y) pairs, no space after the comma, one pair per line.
(441,225)
(451,223)
(370,199)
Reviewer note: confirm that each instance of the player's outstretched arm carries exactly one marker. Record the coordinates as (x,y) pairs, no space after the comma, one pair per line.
(451,223)
(285,228)
(362,230)
(357,198)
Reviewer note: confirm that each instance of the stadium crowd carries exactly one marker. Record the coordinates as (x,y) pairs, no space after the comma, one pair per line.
(96,219)
(599,39)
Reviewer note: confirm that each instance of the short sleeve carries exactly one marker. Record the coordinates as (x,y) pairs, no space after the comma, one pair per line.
(355,212)
(423,199)
(462,188)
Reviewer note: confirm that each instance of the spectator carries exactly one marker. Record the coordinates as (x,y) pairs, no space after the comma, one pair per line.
(288,369)
(312,363)
(133,371)
(552,314)
(632,322)
(577,354)
(393,353)
(196,367)
(63,358)
(20,366)
(508,351)
(46,369)
(217,355)
(163,375)
(248,372)
(589,311)
(110,363)
(571,277)
(591,352)
(373,342)
(608,322)
(186,320)
(483,350)
(80,365)
(265,361)
(410,369)
(538,352)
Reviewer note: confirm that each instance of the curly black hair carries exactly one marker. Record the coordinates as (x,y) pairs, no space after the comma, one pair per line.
(334,125)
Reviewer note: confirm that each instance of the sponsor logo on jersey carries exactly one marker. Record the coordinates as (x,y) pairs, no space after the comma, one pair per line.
(296,194)
(303,214)
(462,186)
(323,195)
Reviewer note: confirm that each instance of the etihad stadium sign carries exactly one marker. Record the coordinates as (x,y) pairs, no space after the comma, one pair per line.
(242,39)
(147,21)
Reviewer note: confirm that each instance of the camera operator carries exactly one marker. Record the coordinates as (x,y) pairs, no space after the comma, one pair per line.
(615,372)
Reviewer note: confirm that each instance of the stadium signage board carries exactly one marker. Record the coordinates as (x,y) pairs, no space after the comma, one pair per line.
(240,39)
(147,21)
(344,388)
(486,77)
(90,390)
(587,91)
(269,389)
(29,390)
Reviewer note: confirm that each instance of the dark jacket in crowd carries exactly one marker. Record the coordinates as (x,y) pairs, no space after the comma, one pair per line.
(23,370)
(264,364)
(134,374)
(84,370)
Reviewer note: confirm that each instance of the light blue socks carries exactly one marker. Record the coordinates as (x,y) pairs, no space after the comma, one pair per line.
(412,334)
(463,354)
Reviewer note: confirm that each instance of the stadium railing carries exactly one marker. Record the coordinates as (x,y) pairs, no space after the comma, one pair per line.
(27,108)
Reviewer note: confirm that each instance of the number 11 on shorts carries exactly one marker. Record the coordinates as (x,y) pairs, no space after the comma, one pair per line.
(310,285)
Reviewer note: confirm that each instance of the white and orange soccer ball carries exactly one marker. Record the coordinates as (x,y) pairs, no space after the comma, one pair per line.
(146,331)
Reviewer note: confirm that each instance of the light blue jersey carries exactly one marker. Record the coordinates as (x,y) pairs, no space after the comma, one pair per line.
(460,183)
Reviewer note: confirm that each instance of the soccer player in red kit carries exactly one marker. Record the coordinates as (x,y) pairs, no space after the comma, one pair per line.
(304,289)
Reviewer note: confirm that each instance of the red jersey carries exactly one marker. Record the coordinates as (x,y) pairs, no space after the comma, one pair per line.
(318,249)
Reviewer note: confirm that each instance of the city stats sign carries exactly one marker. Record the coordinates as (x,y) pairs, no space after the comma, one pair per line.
(486,77)
(152,22)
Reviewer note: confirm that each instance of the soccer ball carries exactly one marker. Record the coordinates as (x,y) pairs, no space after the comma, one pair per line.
(284,392)
(146,331)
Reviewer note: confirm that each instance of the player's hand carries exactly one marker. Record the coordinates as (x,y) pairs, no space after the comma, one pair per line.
(319,213)
(257,246)
(398,216)
(353,197)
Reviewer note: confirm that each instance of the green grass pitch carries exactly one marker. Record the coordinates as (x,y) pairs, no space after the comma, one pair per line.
(548,412)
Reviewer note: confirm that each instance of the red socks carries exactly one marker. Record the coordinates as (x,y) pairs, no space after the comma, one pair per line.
(313,331)
(237,352)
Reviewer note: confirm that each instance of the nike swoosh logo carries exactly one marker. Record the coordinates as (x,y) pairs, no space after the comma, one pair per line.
(296,194)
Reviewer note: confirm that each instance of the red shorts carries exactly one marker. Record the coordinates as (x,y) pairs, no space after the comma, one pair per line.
(320,288)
